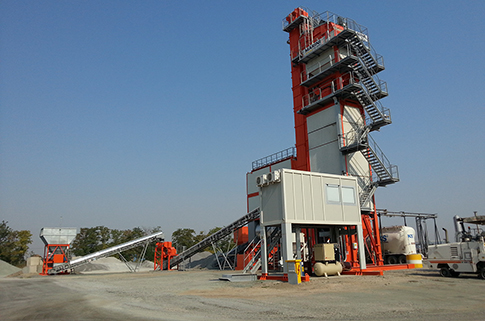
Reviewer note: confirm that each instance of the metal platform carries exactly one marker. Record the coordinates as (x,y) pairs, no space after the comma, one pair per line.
(342,66)
(239,277)
(345,92)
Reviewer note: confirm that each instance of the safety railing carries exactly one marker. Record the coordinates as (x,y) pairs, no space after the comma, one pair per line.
(335,25)
(370,76)
(306,75)
(354,137)
(328,89)
(392,169)
(274,158)
(289,19)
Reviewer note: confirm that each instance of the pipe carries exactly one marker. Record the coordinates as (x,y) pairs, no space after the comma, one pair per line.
(446,235)
(458,228)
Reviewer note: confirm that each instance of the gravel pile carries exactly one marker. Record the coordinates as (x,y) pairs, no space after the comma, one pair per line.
(6,269)
(111,265)
(202,260)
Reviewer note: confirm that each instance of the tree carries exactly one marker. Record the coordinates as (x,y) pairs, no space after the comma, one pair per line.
(183,237)
(225,244)
(93,239)
(187,237)
(14,244)
(86,241)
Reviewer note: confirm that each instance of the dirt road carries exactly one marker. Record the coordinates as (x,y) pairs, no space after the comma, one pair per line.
(199,295)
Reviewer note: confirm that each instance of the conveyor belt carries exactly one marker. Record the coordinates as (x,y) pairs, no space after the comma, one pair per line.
(106,252)
(251,216)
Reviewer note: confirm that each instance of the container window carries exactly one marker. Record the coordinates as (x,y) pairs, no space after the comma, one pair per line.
(348,195)
(333,194)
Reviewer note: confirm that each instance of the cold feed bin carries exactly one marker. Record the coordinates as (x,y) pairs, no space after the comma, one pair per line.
(57,241)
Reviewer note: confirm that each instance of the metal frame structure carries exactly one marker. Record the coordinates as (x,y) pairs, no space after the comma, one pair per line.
(164,252)
(348,80)
(211,239)
(117,249)
(421,227)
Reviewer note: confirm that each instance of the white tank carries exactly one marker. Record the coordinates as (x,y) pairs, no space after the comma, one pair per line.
(327,268)
(398,240)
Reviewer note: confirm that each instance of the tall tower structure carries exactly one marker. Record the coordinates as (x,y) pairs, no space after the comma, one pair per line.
(336,99)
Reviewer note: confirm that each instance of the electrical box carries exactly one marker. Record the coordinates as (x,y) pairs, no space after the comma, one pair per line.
(324,252)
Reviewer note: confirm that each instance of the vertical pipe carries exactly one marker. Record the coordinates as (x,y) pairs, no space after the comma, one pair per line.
(264,251)
(360,240)
(298,243)
(287,244)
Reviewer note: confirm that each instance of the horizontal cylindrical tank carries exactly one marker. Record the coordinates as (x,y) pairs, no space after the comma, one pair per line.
(327,268)
(397,240)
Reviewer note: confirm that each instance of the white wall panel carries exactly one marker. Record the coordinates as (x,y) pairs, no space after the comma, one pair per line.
(322,60)
(323,118)
(300,198)
(326,159)
(322,136)
(251,180)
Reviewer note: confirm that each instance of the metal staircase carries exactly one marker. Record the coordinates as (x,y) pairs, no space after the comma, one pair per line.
(251,216)
(384,172)
(255,263)
(373,88)
(371,91)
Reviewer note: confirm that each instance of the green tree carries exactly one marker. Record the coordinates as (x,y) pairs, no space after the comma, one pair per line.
(14,244)
(93,239)
(183,237)
(86,241)
(225,244)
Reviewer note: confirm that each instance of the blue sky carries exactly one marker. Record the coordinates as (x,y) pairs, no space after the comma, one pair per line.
(149,113)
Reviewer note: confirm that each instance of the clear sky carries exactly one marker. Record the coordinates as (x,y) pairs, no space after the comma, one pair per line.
(149,113)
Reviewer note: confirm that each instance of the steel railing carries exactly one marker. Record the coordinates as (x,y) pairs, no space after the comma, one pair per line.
(274,158)
(392,169)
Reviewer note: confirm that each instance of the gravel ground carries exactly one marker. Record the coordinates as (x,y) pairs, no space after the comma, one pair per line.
(199,295)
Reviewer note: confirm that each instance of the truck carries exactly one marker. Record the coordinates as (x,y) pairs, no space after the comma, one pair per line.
(397,242)
(466,254)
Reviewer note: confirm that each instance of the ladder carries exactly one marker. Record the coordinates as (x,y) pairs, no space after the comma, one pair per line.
(251,216)
(117,249)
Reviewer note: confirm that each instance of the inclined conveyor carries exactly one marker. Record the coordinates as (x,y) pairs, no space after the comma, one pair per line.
(117,249)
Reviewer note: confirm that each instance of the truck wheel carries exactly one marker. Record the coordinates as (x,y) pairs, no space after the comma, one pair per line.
(454,273)
(445,272)
(392,259)
(481,273)
(402,259)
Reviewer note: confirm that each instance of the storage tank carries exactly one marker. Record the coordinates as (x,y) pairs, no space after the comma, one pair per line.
(397,242)
(327,268)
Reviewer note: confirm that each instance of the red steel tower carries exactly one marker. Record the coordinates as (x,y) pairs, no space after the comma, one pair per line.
(336,98)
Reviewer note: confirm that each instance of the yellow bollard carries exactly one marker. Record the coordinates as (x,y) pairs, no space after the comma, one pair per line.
(415,259)
(294,271)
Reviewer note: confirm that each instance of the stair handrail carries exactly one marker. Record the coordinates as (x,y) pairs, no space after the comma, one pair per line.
(379,154)
(384,112)
(357,135)
(371,75)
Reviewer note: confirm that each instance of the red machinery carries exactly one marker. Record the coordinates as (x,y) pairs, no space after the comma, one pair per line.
(336,93)
(57,242)
(164,252)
